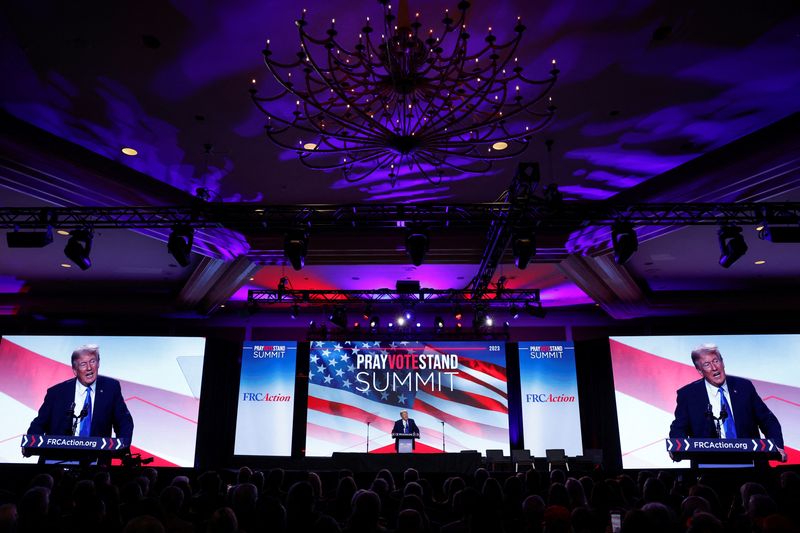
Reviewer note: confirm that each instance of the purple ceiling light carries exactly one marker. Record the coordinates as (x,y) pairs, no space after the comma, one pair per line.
(412,102)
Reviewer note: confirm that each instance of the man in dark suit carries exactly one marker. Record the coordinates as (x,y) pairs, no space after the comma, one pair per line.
(98,398)
(406,426)
(718,405)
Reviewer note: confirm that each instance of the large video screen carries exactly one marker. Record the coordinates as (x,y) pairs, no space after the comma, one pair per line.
(157,378)
(455,392)
(648,371)
(266,398)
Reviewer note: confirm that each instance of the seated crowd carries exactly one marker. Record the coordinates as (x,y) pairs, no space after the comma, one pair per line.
(155,501)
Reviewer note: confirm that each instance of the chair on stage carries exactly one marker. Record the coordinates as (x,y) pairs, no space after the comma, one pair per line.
(496,457)
(521,458)
(556,458)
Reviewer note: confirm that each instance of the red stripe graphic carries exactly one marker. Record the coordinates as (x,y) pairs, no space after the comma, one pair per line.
(471,399)
(466,426)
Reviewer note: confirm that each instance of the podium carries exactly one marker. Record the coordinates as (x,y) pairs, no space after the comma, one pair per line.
(722,451)
(69,448)
(405,441)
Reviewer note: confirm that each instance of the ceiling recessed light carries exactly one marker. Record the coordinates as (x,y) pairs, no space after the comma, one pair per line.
(130,151)
(66,265)
(760,262)
(310,146)
(63,232)
(500,145)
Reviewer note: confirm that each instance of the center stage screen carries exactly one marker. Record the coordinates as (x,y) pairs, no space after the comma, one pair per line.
(159,378)
(648,371)
(456,392)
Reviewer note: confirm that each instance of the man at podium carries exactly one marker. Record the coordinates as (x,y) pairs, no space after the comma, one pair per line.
(722,406)
(405,426)
(88,405)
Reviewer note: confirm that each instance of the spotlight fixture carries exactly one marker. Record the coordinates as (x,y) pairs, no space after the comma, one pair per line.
(295,246)
(535,310)
(338,316)
(391,325)
(180,244)
(624,241)
(417,243)
(367,311)
(457,312)
(78,248)
(295,311)
(514,311)
(29,239)
(523,245)
(401,321)
(779,234)
(374,323)
(481,319)
(731,245)
(438,324)
(283,285)
(419,325)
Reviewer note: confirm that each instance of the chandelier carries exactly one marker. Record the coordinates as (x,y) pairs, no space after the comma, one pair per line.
(413,102)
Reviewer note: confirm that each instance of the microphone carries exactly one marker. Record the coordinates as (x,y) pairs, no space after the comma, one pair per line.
(709,412)
(723,413)
(83,414)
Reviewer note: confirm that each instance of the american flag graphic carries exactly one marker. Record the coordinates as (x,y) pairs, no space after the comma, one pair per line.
(340,403)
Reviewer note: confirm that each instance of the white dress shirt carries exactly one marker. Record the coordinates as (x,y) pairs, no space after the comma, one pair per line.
(713,398)
(80,399)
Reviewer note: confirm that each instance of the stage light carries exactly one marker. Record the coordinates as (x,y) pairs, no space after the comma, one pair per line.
(283,285)
(295,246)
(29,239)
(481,319)
(338,316)
(731,244)
(401,321)
(419,324)
(624,241)
(367,312)
(417,243)
(391,325)
(457,312)
(514,311)
(295,311)
(779,234)
(535,310)
(374,323)
(438,324)
(180,244)
(523,245)
(78,248)
(409,314)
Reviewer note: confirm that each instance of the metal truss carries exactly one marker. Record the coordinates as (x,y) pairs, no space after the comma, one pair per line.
(386,296)
(537,213)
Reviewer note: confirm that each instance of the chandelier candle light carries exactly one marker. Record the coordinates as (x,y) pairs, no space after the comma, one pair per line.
(414,102)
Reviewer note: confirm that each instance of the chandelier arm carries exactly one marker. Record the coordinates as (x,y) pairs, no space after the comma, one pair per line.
(304,159)
(379,164)
(485,168)
(508,115)
(425,173)
(321,107)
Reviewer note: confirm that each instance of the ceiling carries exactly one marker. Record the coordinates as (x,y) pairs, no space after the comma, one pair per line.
(657,101)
